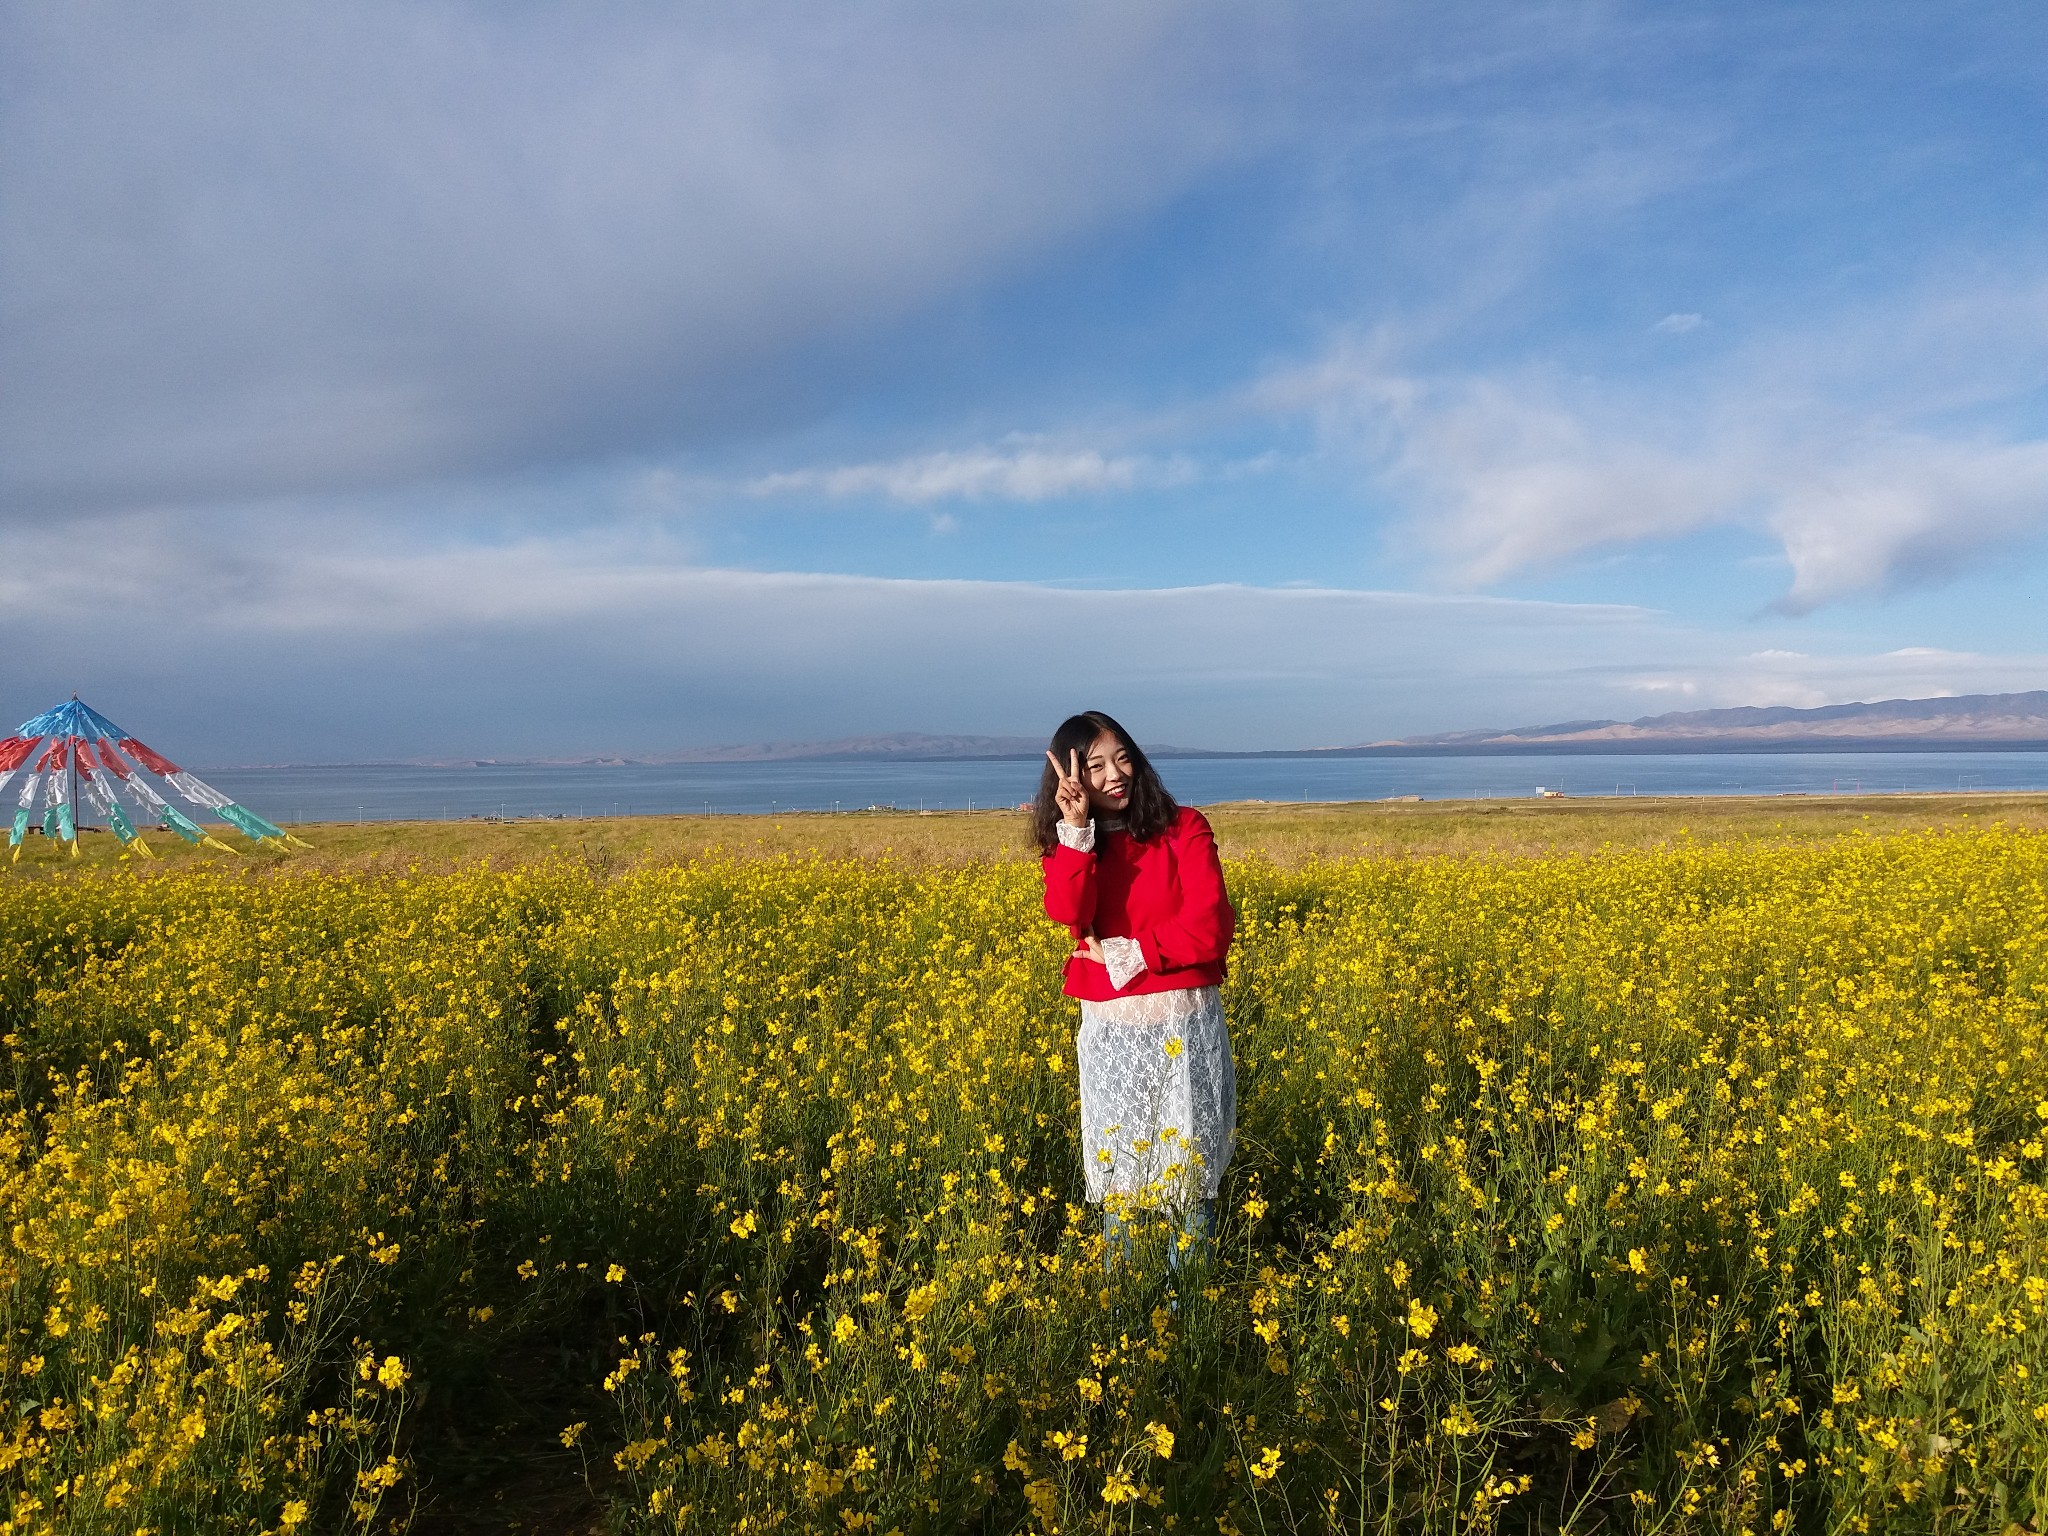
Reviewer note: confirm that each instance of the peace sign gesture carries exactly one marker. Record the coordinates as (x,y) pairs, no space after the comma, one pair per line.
(1071,795)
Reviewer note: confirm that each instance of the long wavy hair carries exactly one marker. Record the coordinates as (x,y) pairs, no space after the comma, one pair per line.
(1150,809)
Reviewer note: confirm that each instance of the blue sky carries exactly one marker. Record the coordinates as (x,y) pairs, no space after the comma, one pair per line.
(449,379)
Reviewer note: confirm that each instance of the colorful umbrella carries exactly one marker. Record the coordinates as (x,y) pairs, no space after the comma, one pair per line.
(79,756)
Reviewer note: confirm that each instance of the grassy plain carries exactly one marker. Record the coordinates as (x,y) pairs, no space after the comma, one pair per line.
(1635,1167)
(1287,833)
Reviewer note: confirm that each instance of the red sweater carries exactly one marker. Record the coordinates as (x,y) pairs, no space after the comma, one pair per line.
(1167,894)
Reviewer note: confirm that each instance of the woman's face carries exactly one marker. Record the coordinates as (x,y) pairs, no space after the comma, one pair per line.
(1106,770)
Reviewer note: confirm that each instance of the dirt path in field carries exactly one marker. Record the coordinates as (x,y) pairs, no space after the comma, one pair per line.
(494,1464)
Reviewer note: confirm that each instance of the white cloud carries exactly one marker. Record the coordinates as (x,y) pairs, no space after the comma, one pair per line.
(372,645)
(983,474)
(1876,455)
(1510,481)
(363,647)
(254,249)
(1906,511)
(1679,324)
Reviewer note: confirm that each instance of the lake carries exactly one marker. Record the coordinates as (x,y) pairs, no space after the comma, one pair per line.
(386,792)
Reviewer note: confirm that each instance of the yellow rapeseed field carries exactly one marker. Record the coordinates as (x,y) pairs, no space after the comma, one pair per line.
(1687,1189)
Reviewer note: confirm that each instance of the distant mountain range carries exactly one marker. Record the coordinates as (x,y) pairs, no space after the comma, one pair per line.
(902,747)
(1988,721)
(906,746)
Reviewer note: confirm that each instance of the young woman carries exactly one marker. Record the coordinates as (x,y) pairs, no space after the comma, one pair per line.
(1135,878)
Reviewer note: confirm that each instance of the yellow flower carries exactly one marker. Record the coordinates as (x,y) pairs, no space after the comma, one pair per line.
(1823,1047)
(1070,1447)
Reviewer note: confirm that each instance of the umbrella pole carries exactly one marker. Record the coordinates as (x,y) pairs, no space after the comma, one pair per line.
(71,789)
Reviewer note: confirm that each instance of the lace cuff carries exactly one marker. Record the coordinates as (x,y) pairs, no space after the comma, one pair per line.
(1124,960)
(1080,839)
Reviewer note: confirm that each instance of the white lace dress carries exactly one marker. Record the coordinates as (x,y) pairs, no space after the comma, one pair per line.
(1158,1085)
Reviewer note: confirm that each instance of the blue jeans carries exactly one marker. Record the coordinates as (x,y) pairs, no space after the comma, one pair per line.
(1197,1224)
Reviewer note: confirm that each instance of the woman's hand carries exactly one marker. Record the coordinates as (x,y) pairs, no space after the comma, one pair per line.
(1090,949)
(1071,795)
